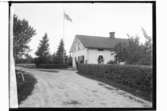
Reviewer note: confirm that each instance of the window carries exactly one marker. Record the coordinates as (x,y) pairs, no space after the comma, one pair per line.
(100,59)
(81,59)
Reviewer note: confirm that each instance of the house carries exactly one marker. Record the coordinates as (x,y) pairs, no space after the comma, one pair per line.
(93,49)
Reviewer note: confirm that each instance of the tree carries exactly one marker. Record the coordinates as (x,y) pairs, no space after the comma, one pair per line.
(147,59)
(22,34)
(55,58)
(43,50)
(120,49)
(29,58)
(131,52)
(69,60)
(60,54)
(134,52)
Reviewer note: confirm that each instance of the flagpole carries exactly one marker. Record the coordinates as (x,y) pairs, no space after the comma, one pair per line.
(63,28)
(67,17)
(63,21)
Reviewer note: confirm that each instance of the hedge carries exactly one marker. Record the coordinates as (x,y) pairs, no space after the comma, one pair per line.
(52,66)
(136,77)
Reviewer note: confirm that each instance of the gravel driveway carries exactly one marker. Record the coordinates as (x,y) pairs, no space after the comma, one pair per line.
(65,88)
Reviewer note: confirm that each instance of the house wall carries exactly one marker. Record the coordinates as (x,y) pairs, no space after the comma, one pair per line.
(90,55)
(76,46)
(93,55)
(78,50)
(76,54)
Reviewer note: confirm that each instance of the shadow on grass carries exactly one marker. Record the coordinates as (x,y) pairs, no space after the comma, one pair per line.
(31,66)
(26,86)
(71,102)
(48,70)
(138,93)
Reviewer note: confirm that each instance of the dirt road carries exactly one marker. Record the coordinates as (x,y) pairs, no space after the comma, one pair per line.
(65,88)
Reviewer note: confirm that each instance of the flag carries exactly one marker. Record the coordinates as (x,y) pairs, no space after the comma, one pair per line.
(67,17)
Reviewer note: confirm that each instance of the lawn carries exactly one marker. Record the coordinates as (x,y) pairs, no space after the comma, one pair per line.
(25,85)
(141,94)
(131,78)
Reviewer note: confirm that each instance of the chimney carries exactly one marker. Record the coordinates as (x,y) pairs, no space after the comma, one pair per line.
(112,35)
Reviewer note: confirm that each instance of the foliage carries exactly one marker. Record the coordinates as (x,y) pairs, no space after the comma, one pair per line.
(22,34)
(28,59)
(69,60)
(134,52)
(24,88)
(120,49)
(112,62)
(147,59)
(60,54)
(43,51)
(55,59)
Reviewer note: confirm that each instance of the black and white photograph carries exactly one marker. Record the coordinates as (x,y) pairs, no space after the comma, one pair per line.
(82,55)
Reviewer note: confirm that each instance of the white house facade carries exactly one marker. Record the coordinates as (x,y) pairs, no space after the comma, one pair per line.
(94,54)
(92,50)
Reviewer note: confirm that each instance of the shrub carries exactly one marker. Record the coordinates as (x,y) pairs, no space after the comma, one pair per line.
(112,62)
(134,76)
(24,88)
(41,60)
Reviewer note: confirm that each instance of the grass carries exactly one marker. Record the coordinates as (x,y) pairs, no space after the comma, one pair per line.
(138,93)
(24,88)
(134,79)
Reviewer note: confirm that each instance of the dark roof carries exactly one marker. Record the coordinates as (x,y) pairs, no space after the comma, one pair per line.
(100,42)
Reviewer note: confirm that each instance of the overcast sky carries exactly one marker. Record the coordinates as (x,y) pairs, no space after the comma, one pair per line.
(88,19)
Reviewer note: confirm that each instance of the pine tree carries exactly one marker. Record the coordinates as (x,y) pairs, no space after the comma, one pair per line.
(60,54)
(43,50)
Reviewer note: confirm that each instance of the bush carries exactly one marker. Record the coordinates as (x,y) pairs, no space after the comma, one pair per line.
(41,60)
(112,62)
(24,88)
(52,66)
(136,77)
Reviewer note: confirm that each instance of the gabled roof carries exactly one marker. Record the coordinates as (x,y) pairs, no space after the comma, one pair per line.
(97,42)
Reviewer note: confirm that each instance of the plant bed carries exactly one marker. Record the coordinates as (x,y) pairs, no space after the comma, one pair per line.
(134,79)
(26,86)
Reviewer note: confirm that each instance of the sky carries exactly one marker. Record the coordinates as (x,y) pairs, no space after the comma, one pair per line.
(96,19)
